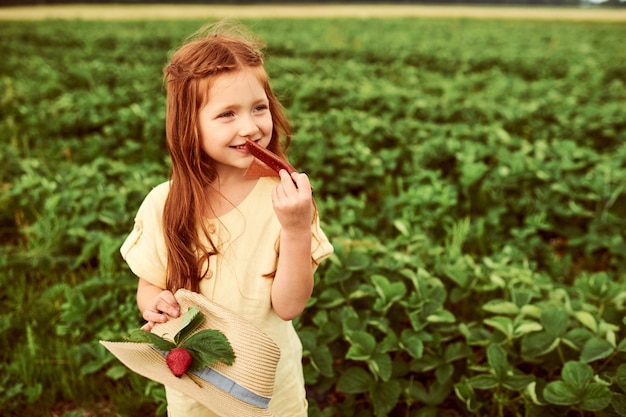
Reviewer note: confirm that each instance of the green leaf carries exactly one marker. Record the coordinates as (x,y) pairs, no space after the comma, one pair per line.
(117,372)
(353,324)
(320,318)
(588,320)
(380,323)
(484,381)
(537,344)
(619,403)
(426,363)
(357,260)
(329,332)
(91,367)
(555,321)
(521,297)
(412,343)
(444,373)
(336,273)
(363,346)
(501,323)
(596,349)
(573,388)
(389,344)
(330,298)
(387,290)
(456,351)
(354,381)
(517,382)
(322,360)
(363,291)
(435,394)
(466,393)
(496,356)
(501,307)
(597,397)
(381,365)
(402,227)
(559,393)
(428,411)
(142,336)
(441,316)
(308,338)
(576,338)
(577,375)
(523,327)
(621,377)
(384,396)
(207,347)
(191,320)
(533,394)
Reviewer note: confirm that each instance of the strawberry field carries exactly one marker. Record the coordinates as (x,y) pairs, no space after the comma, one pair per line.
(471,175)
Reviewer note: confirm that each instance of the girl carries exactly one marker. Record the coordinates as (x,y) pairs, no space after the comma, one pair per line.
(249,244)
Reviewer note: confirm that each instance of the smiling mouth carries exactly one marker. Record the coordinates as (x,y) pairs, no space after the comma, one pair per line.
(243,146)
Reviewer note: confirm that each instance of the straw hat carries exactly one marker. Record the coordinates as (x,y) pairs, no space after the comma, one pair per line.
(242,389)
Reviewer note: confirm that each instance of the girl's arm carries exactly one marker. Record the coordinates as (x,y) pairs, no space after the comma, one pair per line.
(155,304)
(293,282)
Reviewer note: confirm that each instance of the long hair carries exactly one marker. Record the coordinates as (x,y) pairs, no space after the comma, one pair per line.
(210,52)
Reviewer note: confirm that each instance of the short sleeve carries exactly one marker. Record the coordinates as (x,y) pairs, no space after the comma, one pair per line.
(144,248)
(321,247)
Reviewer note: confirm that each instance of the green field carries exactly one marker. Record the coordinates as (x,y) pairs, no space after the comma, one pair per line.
(471,175)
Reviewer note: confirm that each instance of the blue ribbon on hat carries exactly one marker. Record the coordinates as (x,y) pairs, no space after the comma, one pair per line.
(229,386)
(224,383)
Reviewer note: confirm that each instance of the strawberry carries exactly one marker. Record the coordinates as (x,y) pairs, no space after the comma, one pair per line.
(178,360)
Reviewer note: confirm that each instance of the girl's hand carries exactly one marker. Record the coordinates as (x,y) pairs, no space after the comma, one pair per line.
(292,199)
(159,309)
(293,282)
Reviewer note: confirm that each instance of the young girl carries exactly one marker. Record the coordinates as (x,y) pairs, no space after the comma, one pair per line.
(249,244)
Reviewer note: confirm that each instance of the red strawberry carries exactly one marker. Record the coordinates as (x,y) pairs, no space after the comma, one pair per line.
(178,360)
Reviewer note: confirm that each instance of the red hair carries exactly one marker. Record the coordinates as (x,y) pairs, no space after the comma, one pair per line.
(187,79)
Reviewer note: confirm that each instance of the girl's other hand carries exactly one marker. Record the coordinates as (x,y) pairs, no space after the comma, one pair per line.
(293,201)
(159,309)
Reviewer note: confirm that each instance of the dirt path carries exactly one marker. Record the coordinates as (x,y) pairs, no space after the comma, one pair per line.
(117,12)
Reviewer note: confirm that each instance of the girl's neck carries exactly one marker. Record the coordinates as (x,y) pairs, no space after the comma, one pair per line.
(227,193)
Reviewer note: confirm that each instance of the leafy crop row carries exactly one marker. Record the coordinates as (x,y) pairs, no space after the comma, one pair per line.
(471,176)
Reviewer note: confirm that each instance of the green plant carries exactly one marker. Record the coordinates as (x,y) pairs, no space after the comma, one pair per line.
(470,175)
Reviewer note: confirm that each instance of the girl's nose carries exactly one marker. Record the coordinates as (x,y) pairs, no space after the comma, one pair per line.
(248,127)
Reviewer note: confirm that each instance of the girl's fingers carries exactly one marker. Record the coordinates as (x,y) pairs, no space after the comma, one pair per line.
(294,183)
(287,181)
(165,303)
(302,182)
(148,326)
(154,316)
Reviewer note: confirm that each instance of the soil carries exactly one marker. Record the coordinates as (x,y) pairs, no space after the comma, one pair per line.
(134,12)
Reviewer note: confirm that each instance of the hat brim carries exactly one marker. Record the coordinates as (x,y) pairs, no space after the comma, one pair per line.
(145,360)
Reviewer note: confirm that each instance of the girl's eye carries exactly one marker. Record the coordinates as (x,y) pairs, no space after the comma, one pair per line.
(227,114)
(261,107)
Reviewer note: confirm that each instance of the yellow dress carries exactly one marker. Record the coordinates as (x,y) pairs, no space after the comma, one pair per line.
(247,238)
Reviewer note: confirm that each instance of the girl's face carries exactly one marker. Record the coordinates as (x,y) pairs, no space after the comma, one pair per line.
(237,108)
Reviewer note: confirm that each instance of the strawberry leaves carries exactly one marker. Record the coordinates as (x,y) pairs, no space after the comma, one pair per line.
(191,320)
(206,346)
(220,350)
(142,336)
